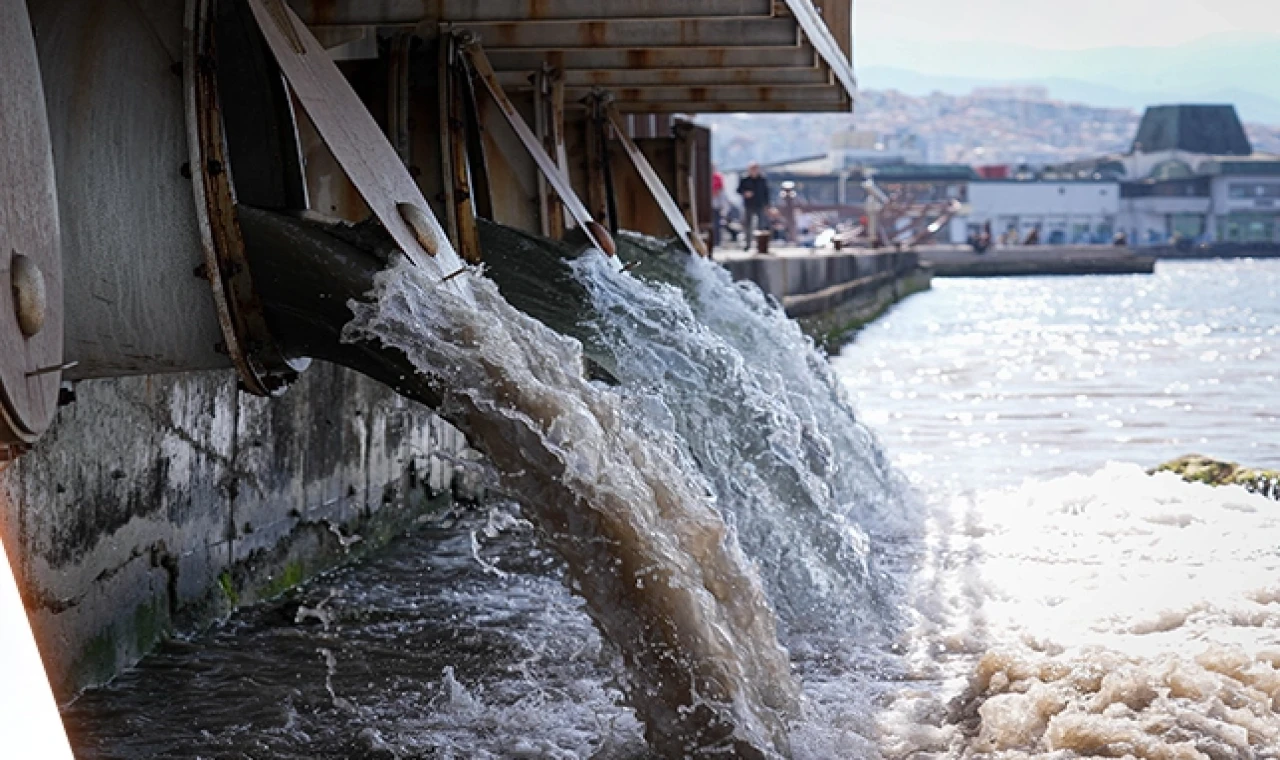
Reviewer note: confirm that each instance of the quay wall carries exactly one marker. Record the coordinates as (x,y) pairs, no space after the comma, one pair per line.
(160,503)
(833,293)
(1015,261)
(1221,250)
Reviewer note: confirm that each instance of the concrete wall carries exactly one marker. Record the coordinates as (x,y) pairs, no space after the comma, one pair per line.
(165,501)
(789,276)
(834,293)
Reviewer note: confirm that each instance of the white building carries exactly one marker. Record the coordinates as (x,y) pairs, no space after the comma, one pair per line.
(1066,211)
(1235,201)
(1192,175)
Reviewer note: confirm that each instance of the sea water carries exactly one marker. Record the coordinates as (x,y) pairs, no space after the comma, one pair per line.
(1032,593)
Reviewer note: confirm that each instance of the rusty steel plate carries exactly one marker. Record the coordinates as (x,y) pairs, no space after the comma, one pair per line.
(357,142)
(30,255)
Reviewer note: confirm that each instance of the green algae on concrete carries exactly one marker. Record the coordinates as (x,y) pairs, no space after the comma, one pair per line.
(834,328)
(1196,468)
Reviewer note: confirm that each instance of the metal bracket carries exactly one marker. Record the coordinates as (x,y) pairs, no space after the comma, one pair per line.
(670,209)
(548,85)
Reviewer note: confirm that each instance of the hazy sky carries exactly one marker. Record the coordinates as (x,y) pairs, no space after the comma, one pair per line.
(1061,24)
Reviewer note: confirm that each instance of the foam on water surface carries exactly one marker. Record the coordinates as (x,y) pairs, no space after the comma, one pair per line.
(1114,614)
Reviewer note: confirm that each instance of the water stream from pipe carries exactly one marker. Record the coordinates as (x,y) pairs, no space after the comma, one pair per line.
(616,494)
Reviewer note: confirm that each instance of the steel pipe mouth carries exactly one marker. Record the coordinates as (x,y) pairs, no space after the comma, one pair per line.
(244,149)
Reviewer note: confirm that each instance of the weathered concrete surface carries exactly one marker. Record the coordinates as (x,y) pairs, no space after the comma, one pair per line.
(789,273)
(1014,261)
(856,304)
(832,293)
(1218,250)
(165,501)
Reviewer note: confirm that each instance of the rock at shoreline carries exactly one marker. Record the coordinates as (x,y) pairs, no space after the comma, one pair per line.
(1195,468)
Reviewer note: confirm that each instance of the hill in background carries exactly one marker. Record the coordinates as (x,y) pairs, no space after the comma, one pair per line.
(989,125)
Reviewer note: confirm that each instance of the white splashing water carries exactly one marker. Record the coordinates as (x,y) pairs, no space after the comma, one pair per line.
(618,499)
(804,482)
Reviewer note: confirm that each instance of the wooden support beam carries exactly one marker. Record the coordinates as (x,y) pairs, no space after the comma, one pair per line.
(657,33)
(612,78)
(403,12)
(597,160)
(633,56)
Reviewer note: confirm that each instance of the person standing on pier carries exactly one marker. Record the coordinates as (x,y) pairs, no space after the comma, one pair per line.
(754,189)
(719,204)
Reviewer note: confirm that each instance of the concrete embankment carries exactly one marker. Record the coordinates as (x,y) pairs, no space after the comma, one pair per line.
(832,293)
(1224,250)
(963,261)
(160,503)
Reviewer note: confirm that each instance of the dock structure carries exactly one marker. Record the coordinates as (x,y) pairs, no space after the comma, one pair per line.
(1027,260)
(170,451)
(831,293)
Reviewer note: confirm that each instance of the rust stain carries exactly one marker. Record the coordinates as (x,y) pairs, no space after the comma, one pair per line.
(638,59)
(688,31)
(537,9)
(698,94)
(322,12)
(669,76)
(594,34)
(502,35)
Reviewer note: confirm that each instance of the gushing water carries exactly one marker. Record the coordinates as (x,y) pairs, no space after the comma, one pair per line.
(617,497)
(728,375)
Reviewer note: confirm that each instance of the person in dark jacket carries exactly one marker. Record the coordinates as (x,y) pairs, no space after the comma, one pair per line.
(754,189)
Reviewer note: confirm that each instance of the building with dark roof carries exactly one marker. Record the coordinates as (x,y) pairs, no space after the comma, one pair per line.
(1213,130)
(1191,175)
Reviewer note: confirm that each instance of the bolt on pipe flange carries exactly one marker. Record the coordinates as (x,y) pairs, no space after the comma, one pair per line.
(30,300)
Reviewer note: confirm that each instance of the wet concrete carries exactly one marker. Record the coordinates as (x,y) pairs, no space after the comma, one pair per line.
(831,292)
(160,503)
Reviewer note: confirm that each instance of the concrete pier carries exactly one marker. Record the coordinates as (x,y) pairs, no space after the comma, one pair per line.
(831,292)
(1012,261)
(1221,250)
